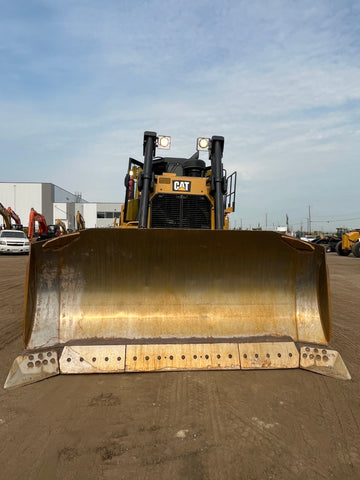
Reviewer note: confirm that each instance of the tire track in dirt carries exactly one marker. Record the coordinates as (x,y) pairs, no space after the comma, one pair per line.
(12,295)
(8,334)
(55,430)
(267,433)
(185,450)
(346,337)
(341,424)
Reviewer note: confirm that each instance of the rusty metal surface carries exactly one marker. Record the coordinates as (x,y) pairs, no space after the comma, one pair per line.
(324,361)
(32,367)
(93,359)
(209,356)
(116,283)
(268,355)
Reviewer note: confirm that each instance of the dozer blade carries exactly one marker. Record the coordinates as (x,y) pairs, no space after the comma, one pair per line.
(129,300)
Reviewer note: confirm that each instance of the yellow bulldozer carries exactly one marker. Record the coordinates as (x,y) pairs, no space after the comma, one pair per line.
(173,288)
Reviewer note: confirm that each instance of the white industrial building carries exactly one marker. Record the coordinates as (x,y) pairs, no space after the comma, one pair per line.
(54,203)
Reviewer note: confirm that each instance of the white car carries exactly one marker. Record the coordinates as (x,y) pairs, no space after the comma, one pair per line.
(14,241)
(307,238)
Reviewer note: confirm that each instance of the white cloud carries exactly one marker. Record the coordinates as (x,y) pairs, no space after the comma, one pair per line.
(280,82)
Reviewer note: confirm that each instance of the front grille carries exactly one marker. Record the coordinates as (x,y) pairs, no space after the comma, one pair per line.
(180,211)
(15,244)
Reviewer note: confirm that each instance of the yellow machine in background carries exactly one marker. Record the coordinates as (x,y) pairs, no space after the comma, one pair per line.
(173,288)
(62,226)
(80,222)
(6,216)
(349,244)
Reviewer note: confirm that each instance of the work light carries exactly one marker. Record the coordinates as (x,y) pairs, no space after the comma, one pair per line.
(203,144)
(163,142)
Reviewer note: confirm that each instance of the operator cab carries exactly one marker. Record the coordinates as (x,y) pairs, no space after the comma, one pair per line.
(182,167)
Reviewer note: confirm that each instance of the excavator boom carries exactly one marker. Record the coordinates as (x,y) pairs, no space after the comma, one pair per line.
(14,216)
(6,216)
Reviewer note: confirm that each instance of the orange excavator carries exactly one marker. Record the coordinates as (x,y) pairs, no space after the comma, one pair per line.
(15,217)
(9,215)
(45,231)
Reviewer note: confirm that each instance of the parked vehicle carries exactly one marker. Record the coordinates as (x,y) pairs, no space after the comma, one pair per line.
(307,238)
(14,241)
(330,240)
(350,243)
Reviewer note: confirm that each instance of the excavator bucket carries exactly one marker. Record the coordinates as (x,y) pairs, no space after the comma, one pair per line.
(134,300)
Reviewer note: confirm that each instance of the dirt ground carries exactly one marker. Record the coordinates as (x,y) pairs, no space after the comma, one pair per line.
(183,425)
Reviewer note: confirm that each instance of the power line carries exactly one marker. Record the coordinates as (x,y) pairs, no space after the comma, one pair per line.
(341,220)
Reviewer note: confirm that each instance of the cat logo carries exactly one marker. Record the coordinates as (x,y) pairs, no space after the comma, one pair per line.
(181,186)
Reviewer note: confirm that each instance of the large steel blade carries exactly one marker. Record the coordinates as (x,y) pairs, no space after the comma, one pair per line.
(104,284)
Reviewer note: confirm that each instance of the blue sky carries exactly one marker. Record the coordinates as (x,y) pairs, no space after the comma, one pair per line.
(80,81)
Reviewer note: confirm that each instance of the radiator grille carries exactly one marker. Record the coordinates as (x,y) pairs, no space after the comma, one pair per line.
(180,211)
